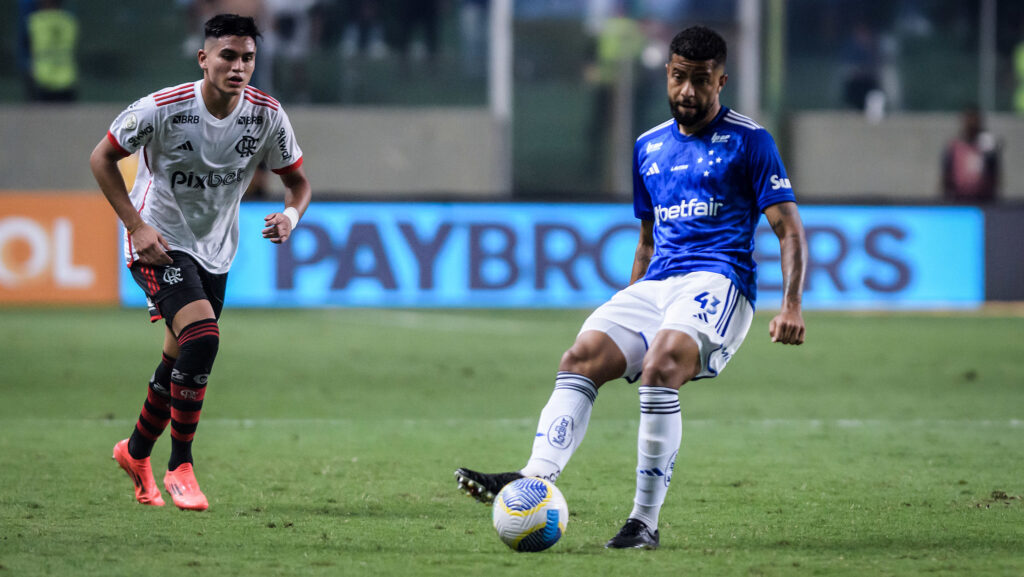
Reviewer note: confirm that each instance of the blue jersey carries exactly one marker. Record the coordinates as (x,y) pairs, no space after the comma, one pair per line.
(705,194)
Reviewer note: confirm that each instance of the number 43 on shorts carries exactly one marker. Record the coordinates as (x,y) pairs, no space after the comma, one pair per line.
(708,304)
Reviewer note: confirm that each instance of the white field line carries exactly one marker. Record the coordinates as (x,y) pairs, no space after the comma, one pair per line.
(462,423)
(436,320)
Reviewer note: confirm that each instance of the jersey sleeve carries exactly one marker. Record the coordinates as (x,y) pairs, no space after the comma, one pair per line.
(284,154)
(134,127)
(768,177)
(642,207)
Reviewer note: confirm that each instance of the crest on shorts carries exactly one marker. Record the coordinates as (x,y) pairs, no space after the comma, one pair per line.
(172,275)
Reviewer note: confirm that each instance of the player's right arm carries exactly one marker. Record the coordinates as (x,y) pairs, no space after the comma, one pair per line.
(788,326)
(147,242)
(644,251)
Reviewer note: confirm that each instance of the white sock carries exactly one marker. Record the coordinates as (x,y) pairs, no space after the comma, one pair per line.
(562,425)
(661,431)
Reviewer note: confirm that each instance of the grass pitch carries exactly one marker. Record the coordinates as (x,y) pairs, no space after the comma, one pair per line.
(886,445)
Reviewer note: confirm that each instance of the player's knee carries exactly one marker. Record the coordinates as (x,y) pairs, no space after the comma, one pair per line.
(580,359)
(199,343)
(668,371)
(600,366)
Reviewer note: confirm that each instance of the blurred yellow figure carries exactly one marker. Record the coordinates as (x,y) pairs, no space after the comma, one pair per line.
(1018,67)
(53,35)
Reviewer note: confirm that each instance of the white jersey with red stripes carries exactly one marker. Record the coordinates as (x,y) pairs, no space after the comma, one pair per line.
(194,168)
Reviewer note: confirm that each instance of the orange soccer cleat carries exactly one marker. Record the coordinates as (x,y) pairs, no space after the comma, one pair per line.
(146,491)
(184,489)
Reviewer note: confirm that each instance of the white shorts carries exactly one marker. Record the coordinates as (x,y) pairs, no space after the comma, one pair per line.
(704,305)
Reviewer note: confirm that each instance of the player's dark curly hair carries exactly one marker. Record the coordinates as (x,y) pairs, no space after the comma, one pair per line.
(699,43)
(231,25)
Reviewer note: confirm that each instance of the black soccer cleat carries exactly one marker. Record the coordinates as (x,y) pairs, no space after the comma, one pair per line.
(483,486)
(634,535)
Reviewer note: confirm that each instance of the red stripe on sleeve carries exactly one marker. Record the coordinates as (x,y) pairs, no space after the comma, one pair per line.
(293,166)
(117,145)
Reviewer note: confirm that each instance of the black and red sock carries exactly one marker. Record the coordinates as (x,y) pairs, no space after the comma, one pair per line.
(156,411)
(198,343)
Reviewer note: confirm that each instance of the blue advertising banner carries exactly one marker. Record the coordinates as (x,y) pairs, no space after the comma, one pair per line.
(578,255)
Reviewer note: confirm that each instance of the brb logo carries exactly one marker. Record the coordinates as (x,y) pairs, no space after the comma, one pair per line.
(560,432)
(211,180)
(250,120)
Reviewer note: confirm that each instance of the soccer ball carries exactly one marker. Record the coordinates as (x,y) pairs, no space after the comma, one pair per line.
(530,514)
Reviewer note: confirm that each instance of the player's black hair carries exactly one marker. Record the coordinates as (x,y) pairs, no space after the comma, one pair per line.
(699,43)
(231,25)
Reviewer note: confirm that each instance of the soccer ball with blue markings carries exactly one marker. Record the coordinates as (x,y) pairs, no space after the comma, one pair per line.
(530,514)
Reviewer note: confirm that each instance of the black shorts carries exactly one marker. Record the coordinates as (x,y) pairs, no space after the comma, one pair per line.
(169,288)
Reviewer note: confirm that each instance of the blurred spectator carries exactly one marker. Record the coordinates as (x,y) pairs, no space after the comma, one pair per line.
(1018,68)
(24,51)
(288,41)
(53,37)
(860,57)
(618,45)
(356,25)
(971,163)
(416,28)
(473,32)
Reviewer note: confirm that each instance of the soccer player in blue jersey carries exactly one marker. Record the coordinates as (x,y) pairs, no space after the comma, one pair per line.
(700,184)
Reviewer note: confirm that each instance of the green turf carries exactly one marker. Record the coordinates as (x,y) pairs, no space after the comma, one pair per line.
(887,445)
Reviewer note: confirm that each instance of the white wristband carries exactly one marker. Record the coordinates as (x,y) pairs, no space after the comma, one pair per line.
(293,216)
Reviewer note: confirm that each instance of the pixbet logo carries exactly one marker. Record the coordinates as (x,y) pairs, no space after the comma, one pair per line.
(48,251)
(211,180)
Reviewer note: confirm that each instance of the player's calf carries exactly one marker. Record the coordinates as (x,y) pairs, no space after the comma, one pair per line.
(198,342)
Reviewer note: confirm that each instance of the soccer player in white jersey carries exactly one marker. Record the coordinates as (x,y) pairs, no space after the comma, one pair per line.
(700,184)
(199,145)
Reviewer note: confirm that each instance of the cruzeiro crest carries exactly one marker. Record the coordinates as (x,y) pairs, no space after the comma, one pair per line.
(246,146)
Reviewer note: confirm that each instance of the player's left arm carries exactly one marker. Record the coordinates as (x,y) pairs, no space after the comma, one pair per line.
(279,225)
(644,250)
(788,326)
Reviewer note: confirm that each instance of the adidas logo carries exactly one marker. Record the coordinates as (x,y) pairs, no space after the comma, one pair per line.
(716,138)
(653,169)
(186,146)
